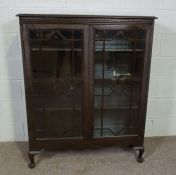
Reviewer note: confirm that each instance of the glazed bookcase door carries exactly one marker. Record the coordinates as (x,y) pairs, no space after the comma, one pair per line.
(118,69)
(57,80)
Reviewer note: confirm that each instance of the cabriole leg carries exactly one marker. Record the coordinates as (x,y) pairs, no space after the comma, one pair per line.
(31,155)
(31,159)
(140,154)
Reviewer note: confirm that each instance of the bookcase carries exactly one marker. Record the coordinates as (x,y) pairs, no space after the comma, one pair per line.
(86,80)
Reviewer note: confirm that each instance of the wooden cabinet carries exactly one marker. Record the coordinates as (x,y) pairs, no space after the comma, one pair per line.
(86,80)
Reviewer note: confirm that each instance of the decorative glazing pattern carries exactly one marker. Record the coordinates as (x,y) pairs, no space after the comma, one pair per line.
(118,61)
(57,78)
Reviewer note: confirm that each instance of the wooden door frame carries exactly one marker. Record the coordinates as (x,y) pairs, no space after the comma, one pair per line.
(25,28)
(145,74)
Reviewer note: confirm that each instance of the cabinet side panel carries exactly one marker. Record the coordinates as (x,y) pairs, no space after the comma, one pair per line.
(145,83)
(26,70)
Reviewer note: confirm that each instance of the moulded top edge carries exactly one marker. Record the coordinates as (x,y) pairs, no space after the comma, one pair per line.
(83,16)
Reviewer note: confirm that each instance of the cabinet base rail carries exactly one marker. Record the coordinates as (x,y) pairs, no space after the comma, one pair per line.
(32,154)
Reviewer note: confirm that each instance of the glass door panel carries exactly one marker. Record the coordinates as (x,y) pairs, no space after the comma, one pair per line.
(57,80)
(118,58)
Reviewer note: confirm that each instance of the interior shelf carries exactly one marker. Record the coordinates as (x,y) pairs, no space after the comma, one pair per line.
(56,49)
(130,39)
(58,109)
(107,81)
(96,108)
(55,79)
(79,50)
(119,50)
(55,41)
(117,107)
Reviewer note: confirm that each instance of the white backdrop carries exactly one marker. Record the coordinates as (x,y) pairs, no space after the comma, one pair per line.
(161,113)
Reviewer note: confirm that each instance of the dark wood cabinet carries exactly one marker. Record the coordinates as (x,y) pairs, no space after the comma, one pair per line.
(86,80)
